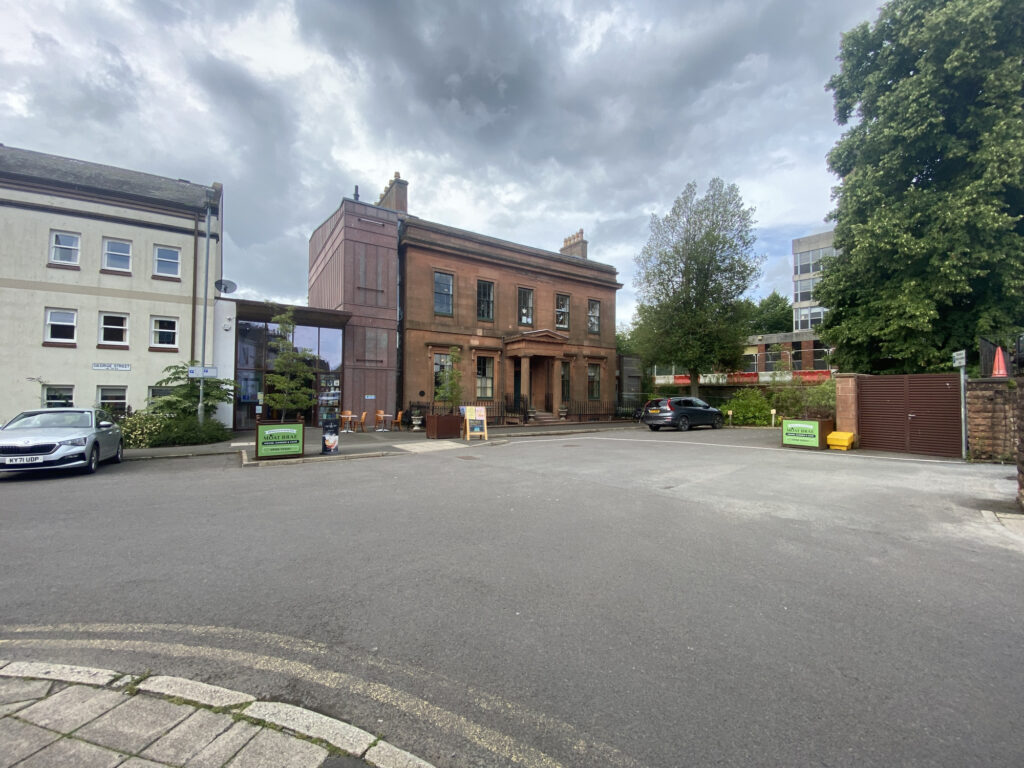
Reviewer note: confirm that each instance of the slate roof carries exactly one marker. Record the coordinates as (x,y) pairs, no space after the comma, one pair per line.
(36,167)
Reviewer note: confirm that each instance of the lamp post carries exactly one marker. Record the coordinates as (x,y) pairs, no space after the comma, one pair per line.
(206,295)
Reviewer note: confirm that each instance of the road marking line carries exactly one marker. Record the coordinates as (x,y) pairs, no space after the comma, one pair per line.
(493,741)
(604,754)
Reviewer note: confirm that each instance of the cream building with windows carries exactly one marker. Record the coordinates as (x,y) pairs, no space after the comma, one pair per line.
(101,280)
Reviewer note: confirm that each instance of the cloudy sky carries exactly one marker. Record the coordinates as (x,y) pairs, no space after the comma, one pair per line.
(521,120)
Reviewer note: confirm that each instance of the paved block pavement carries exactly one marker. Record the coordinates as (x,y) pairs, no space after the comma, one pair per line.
(56,714)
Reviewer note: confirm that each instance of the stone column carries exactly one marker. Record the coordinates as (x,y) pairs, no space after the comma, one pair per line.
(524,378)
(846,403)
(555,382)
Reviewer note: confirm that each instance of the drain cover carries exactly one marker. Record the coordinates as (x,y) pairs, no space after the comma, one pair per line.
(470,458)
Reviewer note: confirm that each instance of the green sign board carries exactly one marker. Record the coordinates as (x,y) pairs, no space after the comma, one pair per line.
(278,440)
(802,433)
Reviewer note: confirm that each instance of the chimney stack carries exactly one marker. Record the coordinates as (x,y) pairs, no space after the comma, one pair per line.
(574,245)
(395,195)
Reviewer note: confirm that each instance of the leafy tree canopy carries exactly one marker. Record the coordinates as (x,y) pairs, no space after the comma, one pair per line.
(183,400)
(772,314)
(690,276)
(290,386)
(930,209)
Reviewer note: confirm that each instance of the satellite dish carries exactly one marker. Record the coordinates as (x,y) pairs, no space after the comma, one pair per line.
(225,286)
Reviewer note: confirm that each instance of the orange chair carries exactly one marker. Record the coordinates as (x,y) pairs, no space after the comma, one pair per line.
(362,422)
(346,421)
(398,421)
(378,420)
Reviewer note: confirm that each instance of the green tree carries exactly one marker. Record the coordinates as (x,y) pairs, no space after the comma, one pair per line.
(624,344)
(183,400)
(930,206)
(690,276)
(772,314)
(290,386)
(449,387)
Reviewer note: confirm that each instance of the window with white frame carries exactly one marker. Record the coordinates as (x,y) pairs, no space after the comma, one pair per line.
(117,255)
(166,261)
(593,316)
(805,318)
(64,247)
(113,399)
(484,377)
(526,306)
(61,325)
(164,332)
(113,328)
(58,396)
(155,393)
(561,310)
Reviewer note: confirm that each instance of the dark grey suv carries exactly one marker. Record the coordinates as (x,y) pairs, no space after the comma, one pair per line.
(681,413)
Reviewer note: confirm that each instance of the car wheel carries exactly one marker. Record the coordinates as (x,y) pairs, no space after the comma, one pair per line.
(94,460)
(717,423)
(119,455)
(653,427)
(684,424)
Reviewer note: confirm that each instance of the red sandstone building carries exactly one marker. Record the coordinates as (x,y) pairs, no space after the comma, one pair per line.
(535,329)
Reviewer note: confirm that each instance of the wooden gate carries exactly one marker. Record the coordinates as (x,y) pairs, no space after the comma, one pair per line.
(917,413)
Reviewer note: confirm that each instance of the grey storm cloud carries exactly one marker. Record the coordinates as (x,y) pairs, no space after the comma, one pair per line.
(554,115)
(104,90)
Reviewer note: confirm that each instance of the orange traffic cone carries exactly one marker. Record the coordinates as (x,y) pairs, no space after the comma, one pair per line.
(999,366)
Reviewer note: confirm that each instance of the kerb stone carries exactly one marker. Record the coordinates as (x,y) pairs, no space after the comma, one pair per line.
(341,735)
(201,693)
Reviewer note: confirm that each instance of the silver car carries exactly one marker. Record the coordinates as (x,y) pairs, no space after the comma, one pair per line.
(52,438)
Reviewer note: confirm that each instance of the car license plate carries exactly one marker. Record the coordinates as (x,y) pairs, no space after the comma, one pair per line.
(654,410)
(24,459)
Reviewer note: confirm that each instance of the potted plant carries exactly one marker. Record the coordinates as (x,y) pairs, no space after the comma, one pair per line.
(449,391)
(817,408)
(416,415)
(290,389)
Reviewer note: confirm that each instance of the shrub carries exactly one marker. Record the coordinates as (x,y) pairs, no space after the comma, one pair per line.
(186,430)
(820,402)
(749,407)
(139,429)
(799,401)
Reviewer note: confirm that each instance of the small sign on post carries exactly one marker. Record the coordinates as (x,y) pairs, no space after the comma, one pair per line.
(960,361)
(199,372)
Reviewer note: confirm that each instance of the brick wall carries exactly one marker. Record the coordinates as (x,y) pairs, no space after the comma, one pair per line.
(846,402)
(993,419)
(1020,445)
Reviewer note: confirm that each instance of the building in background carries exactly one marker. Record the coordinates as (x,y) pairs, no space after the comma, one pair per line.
(101,280)
(808,253)
(535,329)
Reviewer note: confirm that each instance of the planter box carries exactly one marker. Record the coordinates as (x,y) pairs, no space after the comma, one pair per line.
(444,427)
(807,433)
(279,440)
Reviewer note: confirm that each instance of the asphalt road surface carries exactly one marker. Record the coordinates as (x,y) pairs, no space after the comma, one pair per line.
(624,599)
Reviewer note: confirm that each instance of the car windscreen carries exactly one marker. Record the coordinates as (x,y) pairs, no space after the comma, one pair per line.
(56,419)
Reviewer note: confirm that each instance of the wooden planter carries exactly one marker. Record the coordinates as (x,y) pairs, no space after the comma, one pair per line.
(443,427)
(807,433)
(279,440)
